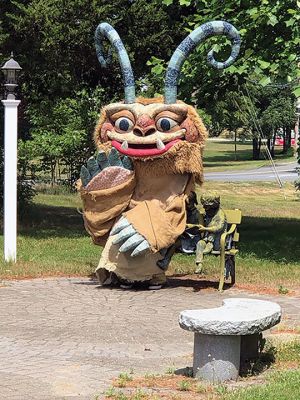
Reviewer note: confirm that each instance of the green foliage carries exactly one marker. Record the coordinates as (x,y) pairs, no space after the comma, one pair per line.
(54,44)
(282,289)
(55,47)
(61,135)
(279,113)
(184,386)
(170,371)
(25,188)
(123,379)
(270,39)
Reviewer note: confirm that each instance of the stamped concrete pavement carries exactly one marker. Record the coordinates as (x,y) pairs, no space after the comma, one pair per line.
(67,338)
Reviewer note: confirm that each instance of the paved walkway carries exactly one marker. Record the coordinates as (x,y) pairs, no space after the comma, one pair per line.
(66,338)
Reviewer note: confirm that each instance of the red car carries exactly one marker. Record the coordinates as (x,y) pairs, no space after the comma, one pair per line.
(279,141)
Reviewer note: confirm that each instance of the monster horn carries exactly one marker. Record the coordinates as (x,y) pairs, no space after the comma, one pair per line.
(189,43)
(106,30)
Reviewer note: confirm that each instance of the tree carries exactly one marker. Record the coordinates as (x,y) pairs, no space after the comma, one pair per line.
(233,112)
(270,39)
(60,136)
(278,115)
(61,75)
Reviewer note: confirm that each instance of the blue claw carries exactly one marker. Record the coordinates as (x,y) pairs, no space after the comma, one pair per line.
(93,167)
(121,224)
(124,234)
(114,158)
(140,249)
(127,163)
(102,159)
(131,243)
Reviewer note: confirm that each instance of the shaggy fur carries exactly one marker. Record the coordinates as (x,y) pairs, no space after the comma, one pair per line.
(183,157)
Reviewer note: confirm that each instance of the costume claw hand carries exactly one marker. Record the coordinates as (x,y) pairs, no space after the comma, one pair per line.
(130,239)
(120,225)
(96,165)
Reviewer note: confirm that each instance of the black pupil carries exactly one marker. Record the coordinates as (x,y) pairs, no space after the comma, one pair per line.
(165,124)
(124,125)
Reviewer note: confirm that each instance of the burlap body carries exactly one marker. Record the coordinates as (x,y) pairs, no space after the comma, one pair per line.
(160,220)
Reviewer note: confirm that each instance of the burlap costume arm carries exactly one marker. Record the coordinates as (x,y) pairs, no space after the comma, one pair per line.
(160,227)
(102,207)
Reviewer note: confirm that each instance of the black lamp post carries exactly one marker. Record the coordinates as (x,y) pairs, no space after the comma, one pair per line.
(11,71)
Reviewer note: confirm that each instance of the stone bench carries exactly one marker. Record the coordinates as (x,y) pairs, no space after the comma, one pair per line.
(221,333)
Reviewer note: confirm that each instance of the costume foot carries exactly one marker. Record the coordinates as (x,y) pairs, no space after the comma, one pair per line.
(208,248)
(105,277)
(157,281)
(126,286)
(154,287)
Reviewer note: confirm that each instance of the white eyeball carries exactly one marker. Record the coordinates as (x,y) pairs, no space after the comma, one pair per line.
(164,124)
(124,124)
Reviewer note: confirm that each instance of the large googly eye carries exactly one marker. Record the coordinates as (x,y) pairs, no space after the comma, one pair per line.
(165,124)
(124,124)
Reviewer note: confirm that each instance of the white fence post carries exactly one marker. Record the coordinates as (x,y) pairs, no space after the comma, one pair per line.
(10,178)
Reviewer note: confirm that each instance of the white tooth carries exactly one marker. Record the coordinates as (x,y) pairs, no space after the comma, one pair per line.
(125,145)
(159,144)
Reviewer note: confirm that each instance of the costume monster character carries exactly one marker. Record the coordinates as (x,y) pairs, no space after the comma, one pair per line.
(150,157)
(214,225)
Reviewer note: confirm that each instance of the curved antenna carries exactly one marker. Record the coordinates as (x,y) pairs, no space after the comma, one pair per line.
(189,43)
(106,30)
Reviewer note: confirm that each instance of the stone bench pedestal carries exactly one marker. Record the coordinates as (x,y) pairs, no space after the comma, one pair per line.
(220,333)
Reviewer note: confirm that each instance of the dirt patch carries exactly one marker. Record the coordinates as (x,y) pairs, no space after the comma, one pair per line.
(45,275)
(266,290)
(176,387)
(168,387)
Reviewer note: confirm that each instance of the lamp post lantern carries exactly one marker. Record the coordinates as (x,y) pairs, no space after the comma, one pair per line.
(11,70)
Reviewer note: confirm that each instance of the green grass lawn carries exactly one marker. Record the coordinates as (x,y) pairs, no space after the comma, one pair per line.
(283,385)
(52,239)
(219,156)
(269,251)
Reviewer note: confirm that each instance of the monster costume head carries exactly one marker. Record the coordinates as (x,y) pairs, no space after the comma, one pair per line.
(164,131)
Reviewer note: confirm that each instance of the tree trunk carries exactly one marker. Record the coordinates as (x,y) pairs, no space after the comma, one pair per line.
(256,143)
(52,172)
(284,147)
(269,144)
(272,144)
(235,154)
(288,139)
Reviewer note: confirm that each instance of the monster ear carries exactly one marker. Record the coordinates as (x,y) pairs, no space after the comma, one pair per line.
(195,129)
(106,30)
(189,43)
(98,133)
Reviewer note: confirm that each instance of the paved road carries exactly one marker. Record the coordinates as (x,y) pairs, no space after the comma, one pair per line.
(287,173)
(66,338)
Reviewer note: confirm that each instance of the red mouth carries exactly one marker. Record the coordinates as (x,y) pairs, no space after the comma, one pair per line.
(143,150)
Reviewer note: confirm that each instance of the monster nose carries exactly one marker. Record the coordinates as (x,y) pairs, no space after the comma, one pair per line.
(139,131)
(145,126)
